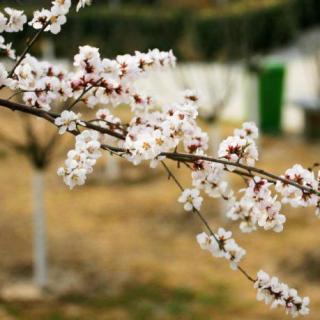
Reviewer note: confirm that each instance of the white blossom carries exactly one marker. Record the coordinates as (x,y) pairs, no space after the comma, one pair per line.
(237,149)
(4,80)
(295,196)
(191,199)
(249,130)
(7,49)
(16,20)
(83,3)
(68,120)
(81,160)
(257,207)
(3,22)
(153,133)
(222,245)
(275,293)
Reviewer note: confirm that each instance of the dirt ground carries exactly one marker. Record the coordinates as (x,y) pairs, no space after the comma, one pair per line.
(127,250)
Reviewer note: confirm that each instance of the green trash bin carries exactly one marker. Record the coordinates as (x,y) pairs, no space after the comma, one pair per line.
(271,84)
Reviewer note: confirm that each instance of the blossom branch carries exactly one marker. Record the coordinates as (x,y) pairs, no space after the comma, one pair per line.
(204,221)
(175,156)
(155,133)
(27,49)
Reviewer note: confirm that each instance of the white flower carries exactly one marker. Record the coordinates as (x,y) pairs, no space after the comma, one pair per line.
(241,146)
(88,59)
(243,211)
(7,49)
(55,17)
(75,177)
(295,196)
(205,241)
(270,218)
(208,176)
(221,245)
(81,160)
(3,22)
(83,3)
(236,149)
(40,18)
(63,6)
(68,120)
(191,199)
(258,189)
(248,130)
(56,20)
(257,208)
(4,80)
(16,20)
(275,293)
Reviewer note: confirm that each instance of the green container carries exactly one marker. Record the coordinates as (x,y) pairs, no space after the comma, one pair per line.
(271,83)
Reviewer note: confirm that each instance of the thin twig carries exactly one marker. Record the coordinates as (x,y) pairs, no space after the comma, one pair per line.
(85,90)
(27,49)
(204,221)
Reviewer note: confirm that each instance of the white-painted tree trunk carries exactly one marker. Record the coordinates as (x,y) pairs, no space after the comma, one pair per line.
(39,230)
(252,98)
(112,169)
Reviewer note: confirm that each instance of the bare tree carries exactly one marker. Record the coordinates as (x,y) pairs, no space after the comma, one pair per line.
(39,153)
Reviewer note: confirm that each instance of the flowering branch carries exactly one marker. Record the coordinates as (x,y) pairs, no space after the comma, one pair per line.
(176,156)
(204,221)
(28,48)
(156,132)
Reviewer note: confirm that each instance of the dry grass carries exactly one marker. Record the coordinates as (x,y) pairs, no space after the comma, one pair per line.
(126,250)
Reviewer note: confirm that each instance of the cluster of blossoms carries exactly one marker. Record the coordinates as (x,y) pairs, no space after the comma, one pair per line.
(13,21)
(154,131)
(53,19)
(191,199)
(10,21)
(42,83)
(209,177)
(81,160)
(222,245)
(257,207)
(275,293)
(111,82)
(241,147)
(105,119)
(294,196)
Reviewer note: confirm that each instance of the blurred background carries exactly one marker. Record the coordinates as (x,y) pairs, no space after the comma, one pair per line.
(121,247)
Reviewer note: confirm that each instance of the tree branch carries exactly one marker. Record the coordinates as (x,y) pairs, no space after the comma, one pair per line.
(27,49)
(175,156)
(202,218)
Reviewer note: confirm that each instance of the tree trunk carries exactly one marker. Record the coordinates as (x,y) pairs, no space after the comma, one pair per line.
(39,232)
